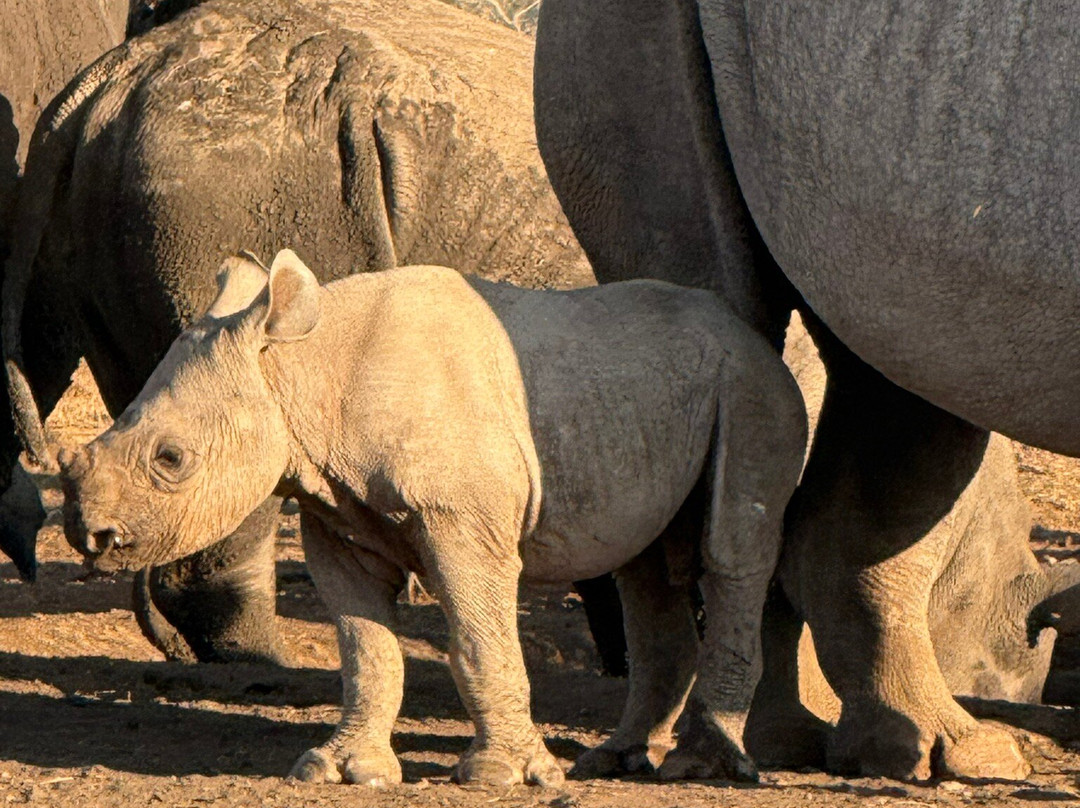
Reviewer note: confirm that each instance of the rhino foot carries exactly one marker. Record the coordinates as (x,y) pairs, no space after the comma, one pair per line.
(892,746)
(610,760)
(706,752)
(321,765)
(500,768)
(793,740)
(985,753)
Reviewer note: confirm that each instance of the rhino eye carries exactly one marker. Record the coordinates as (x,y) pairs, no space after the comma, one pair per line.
(169,458)
(170,464)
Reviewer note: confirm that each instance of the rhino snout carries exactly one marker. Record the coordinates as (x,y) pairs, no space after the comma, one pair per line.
(91,536)
(102,540)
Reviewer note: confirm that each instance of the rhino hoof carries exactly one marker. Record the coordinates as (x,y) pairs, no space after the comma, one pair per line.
(315,766)
(320,766)
(985,753)
(609,761)
(689,765)
(492,768)
(705,752)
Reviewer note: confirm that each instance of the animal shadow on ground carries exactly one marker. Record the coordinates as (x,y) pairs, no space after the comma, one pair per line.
(168,718)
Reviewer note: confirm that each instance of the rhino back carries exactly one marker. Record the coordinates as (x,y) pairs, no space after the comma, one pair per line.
(913,168)
(367,134)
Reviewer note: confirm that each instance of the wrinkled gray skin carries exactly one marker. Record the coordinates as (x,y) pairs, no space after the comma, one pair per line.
(42,46)
(910,167)
(375,133)
(979,602)
(986,582)
(472,433)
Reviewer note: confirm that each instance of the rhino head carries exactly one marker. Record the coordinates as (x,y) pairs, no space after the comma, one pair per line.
(205,441)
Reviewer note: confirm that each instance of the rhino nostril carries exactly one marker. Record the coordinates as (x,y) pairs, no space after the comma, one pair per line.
(101,540)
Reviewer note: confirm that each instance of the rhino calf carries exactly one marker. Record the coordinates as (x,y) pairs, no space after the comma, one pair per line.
(471,432)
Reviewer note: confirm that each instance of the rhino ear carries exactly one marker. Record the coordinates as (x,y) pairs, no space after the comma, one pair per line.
(294,299)
(239,280)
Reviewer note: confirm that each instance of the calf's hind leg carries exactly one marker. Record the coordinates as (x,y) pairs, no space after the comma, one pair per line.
(661,634)
(757,456)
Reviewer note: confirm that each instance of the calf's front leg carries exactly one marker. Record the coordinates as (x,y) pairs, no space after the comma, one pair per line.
(359,589)
(474,572)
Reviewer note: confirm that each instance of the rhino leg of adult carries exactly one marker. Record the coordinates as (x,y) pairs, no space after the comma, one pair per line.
(861,558)
(640,165)
(780,731)
(221,602)
(604,611)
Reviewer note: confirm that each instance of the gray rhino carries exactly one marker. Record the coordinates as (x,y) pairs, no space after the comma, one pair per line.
(42,46)
(474,433)
(906,174)
(376,132)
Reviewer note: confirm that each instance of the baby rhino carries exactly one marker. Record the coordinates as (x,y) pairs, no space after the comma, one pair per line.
(472,433)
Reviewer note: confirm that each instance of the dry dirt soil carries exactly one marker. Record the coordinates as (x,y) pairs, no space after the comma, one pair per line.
(92,715)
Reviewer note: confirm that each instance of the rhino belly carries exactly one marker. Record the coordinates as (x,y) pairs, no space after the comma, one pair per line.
(604,501)
(915,170)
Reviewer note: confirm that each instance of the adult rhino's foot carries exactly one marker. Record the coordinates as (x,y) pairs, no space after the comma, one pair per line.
(889,744)
(332,764)
(794,739)
(497,767)
(985,753)
(706,751)
(612,759)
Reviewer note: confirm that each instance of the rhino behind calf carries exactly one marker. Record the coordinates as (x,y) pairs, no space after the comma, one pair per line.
(472,432)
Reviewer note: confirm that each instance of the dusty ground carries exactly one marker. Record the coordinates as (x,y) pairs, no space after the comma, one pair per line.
(91,715)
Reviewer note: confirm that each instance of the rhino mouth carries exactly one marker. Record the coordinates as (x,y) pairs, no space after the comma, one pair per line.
(105,546)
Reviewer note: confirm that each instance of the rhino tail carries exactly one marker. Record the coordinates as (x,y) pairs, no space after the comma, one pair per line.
(49,159)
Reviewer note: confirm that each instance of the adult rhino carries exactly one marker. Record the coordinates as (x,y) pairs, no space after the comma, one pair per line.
(42,46)
(374,133)
(911,168)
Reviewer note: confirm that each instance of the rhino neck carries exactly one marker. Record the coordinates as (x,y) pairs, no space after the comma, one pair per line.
(306,382)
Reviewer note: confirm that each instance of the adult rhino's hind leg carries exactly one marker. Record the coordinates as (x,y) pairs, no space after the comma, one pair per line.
(220,602)
(604,612)
(885,468)
(758,453)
